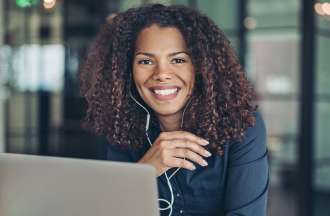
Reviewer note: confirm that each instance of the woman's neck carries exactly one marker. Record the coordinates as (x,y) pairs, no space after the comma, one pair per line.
(170,122)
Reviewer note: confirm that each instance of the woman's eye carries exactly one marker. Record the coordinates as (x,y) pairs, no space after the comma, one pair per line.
(178,61)
(145,61)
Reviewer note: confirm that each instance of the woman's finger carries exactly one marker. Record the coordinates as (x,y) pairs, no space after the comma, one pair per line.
(183,135)
(186,153)
(178,162)
(187,144)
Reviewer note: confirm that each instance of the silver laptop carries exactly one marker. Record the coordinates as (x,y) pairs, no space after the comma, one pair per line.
(51,186)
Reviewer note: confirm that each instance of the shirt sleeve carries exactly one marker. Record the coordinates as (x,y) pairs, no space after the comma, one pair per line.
(115,153)
(248,174)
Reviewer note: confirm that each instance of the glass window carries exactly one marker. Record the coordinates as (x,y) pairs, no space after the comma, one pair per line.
(223,13)
(322,116)
(273,61)
(323,64)
(275,14)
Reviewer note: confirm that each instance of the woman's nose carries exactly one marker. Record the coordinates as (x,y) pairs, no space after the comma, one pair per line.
(162,73)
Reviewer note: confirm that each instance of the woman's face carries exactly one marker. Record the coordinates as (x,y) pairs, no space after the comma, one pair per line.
(162,69)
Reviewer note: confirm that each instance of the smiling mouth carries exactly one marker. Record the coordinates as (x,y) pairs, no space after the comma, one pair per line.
(165,94)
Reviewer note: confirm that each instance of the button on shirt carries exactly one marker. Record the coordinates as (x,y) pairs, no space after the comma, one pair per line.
(234,183)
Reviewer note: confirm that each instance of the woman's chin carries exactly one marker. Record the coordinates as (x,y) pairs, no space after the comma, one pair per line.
(166,112)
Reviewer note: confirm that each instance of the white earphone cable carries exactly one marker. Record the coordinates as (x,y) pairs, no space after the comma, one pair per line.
(169,204)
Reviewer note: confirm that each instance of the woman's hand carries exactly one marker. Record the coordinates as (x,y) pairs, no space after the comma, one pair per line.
(170,149)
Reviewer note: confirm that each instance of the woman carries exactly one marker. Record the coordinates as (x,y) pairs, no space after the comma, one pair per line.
(163,84)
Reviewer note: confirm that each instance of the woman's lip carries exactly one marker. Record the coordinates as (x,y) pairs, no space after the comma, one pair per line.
(163,87)
(165,97)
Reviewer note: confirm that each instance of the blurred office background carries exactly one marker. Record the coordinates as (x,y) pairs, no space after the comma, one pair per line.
(284,46)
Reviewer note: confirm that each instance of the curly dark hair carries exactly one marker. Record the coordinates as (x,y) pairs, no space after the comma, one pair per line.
(222,104)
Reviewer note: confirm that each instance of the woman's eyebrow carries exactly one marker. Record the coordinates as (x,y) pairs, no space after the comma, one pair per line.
(144,53)
(176,53)
(152,55)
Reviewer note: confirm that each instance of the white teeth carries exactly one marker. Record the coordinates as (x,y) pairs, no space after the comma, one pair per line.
(165,91)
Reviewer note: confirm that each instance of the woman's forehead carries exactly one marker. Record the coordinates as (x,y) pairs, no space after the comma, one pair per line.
(160,39)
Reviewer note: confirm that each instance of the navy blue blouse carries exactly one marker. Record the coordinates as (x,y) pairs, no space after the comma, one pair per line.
(233,184)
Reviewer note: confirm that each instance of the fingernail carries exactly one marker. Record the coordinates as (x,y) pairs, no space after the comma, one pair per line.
(205,142)
(204,163)
(208,154)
